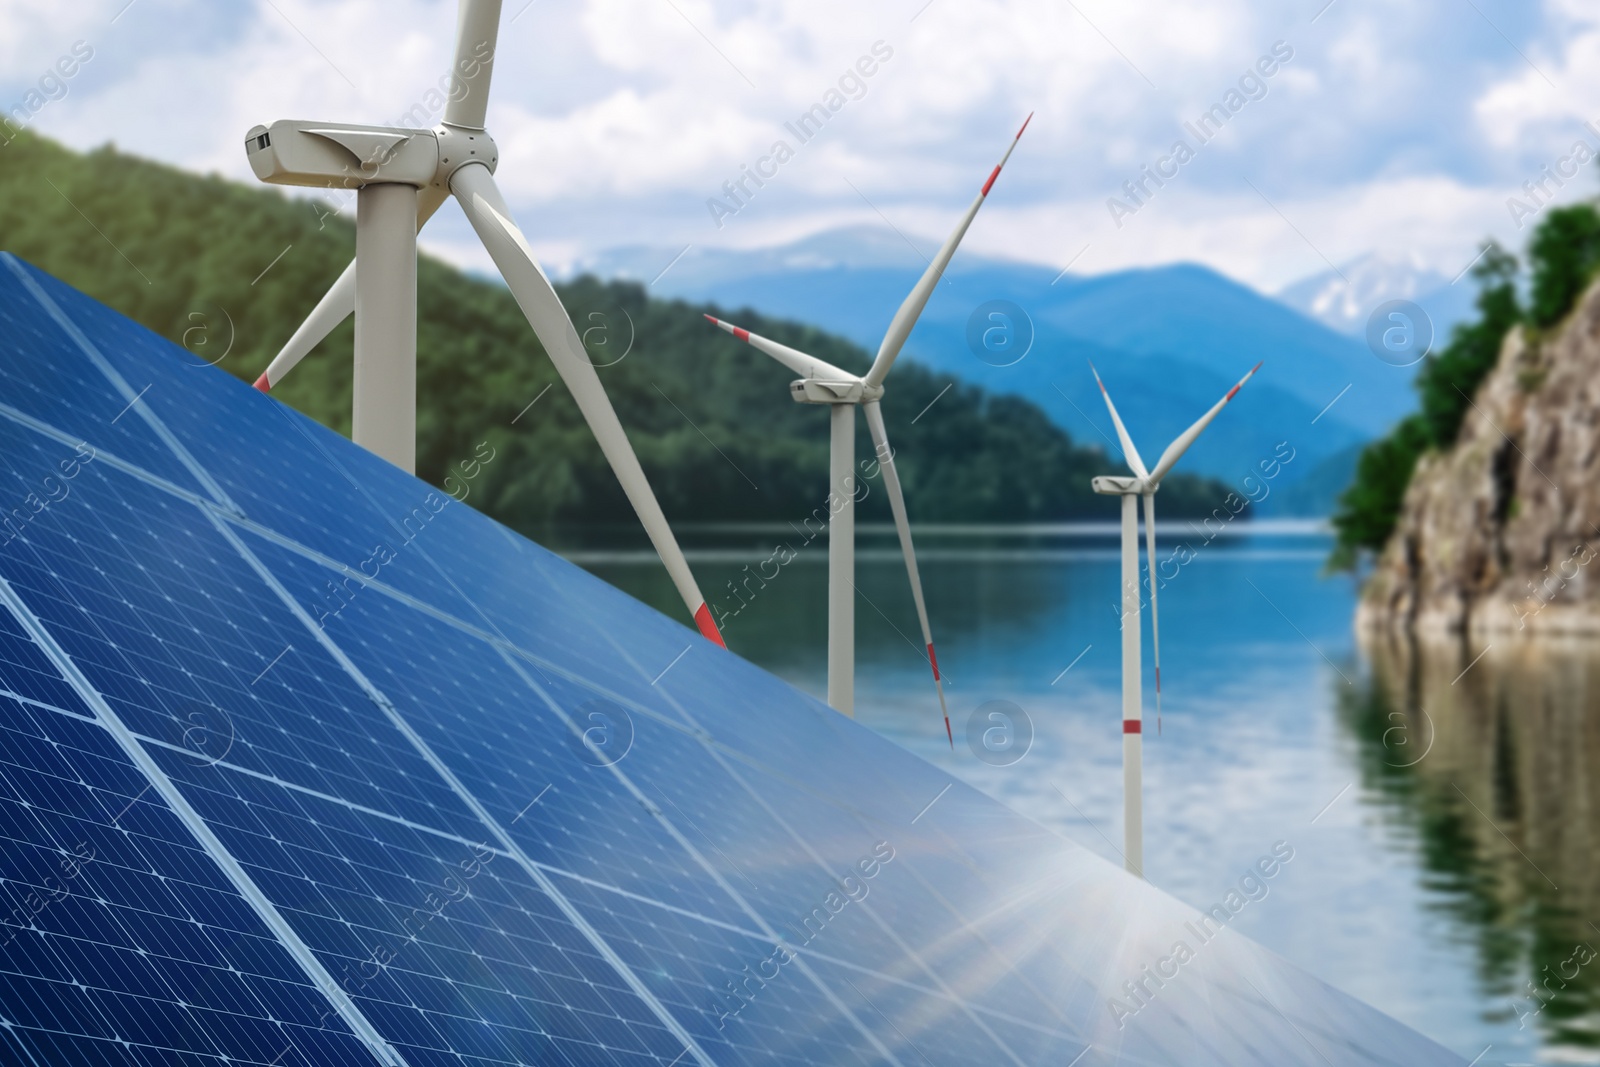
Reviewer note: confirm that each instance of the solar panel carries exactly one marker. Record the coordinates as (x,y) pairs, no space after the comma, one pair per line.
(306,763)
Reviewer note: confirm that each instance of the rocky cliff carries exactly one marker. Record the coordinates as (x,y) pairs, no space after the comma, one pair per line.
(1502,532)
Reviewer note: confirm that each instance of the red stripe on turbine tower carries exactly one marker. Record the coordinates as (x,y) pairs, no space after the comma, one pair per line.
(1132,726)
(702,618)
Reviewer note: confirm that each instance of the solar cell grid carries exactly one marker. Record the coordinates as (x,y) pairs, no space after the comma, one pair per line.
(120,937)
(152,604)
(44,375)
(458,802)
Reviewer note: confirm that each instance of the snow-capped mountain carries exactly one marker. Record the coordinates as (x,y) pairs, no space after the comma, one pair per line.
(1343,300)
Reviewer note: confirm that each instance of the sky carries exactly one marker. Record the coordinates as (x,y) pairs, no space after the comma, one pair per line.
(1398,127)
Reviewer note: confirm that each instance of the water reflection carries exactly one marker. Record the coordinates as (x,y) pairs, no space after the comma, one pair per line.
(1277,727)
(1488,758)
(782,623)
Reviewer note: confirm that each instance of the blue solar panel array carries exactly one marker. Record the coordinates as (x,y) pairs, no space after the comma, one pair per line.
(303,763)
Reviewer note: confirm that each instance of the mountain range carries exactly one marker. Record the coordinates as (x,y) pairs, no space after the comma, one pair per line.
(1169,342)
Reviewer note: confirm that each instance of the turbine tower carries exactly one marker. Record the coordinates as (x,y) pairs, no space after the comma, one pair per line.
(402,177)
(842,392)
(1144,483)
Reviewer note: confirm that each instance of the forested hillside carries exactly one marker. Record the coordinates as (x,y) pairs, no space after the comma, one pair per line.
(224,267)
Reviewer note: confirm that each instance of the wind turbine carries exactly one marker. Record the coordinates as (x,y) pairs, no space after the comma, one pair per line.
(1144,483)
(402,177)
(823,383)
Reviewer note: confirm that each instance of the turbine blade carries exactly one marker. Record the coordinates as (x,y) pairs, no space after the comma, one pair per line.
(1155,612)
(1129,453)
(336,305)
(480,198)
(477,34)
(902,525)
(1181,445)
(796,360)
(905,320)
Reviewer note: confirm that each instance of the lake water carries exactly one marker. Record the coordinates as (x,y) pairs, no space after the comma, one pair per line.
(1441,802)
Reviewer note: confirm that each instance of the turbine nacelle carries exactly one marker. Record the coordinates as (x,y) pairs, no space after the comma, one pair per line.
(833,391)
(1117,485)
(337,155)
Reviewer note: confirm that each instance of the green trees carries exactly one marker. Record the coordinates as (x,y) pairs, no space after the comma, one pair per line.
(1564,252)
(1445,382)
(1563,255)
(1369,509)
(710,417)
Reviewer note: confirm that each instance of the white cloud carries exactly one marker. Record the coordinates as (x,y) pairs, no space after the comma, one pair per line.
(618,119)
(1533,104)
(37,31)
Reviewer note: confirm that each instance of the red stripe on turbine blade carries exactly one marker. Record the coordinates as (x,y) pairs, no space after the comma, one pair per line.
(263,385)
(1235,390)
(743,335)
(1158,679)
(1024,125)
(702,618)
(1231,394)
(935,661)
(1132,726)
(990,183)
(948,734)
(713,320)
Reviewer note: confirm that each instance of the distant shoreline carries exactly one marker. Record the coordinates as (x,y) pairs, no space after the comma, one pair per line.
(1065,530)
(1065,542)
